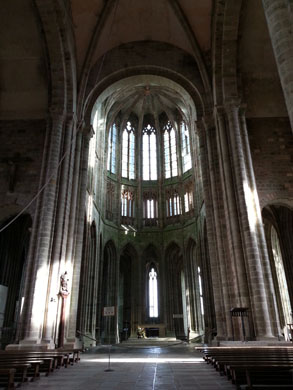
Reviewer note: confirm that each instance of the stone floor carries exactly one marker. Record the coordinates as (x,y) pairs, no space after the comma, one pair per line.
(176,367)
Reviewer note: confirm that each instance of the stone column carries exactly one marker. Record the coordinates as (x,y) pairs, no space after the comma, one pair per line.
(210,221)
(279,20)
(239,294)
(60,236)
(23,324)
(39,275)
(81,184)
(247,248)
(260,227)
(221,227)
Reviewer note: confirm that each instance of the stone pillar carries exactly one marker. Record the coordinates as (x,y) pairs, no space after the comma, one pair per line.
(60,236)
(245,221)
(239,295)
(260,227)
(80,192)
(23,320)
(221,227)
(279,20)
(39,275)
(210,221)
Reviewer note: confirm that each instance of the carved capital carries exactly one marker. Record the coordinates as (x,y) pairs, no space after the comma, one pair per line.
(232,106)
(209,121)
(219,111)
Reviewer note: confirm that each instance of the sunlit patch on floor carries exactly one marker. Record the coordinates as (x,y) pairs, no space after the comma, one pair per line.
(145,360)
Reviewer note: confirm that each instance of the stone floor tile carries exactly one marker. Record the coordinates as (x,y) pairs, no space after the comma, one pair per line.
(136,369)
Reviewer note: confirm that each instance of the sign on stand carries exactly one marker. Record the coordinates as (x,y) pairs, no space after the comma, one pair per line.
(109,311)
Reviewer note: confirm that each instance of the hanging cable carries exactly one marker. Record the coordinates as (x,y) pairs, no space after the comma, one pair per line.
(69,146)
(43,186)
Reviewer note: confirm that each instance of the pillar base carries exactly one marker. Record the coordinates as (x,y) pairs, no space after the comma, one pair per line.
(73,343)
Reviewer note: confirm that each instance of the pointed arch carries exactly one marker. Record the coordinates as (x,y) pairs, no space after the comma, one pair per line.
(278,227)
(128,300)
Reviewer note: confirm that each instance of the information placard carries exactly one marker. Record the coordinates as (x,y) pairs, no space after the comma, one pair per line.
(109,311)
(177,315)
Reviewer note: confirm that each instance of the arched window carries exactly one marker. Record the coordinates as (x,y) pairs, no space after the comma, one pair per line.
(150,208)
(200,290)
(149,151)
(188,198)
(128,152)
(185,147)
(127,207)
(173,203)
(111,163)
(170,152)
(153,293)
(281,277)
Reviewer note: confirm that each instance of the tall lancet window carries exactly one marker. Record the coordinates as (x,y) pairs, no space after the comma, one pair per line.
(170,153)
(185,147)
(153,293)
(281,277)
(149,148)
(111,163)
(128,152)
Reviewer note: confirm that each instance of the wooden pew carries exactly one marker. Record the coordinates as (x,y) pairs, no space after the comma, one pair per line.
(7,377)
(21,370)
(253,366)
(34,372)
(19,366)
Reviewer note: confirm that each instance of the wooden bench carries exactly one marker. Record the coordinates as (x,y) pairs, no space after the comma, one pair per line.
(21,370)
(60,359)
(253,366)
(34,372)
(7,377)
(20,366)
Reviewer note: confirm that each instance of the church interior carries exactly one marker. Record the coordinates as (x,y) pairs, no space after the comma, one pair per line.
(146,176)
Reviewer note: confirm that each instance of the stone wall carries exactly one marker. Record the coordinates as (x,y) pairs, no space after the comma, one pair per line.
(21,151)
(271,146)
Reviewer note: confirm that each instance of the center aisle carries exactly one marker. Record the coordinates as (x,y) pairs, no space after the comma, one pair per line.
(176,367)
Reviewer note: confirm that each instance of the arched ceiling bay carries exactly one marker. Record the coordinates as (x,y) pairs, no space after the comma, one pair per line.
(140,20)
(23,76)
(146,94)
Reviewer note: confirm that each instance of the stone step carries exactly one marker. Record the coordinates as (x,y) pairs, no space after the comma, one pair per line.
(151,341)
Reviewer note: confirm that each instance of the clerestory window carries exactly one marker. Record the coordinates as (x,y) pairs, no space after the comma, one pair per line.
(150,208)
(111,163)
(170,151)
(128,152)
(185,147)
(127,203)
(149,151)
(173,204)
(188,198)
